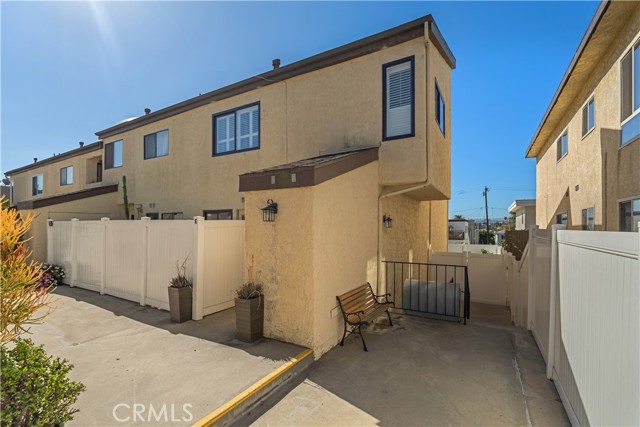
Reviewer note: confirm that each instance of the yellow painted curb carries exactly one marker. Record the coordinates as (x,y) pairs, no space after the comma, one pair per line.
(216,415)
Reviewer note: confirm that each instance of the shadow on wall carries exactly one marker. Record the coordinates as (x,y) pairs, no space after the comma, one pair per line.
(219,327)
(563,208)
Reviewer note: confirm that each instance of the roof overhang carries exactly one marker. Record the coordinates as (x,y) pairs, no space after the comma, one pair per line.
(308,172)
(69,197)
(522,203)
(602,30)
(59,157)
(365,46)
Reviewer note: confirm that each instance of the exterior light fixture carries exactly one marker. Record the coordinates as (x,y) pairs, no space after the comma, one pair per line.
(269,212)
(387,221)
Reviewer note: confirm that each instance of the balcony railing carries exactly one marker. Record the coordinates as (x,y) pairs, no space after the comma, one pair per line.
(437,290)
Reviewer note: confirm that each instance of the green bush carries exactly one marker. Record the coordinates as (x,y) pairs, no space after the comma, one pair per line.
(35,389)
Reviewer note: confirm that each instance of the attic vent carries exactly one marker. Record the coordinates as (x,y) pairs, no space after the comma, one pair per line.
(276,63)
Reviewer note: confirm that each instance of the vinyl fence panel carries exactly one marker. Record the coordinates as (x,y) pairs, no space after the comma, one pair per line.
(125,247)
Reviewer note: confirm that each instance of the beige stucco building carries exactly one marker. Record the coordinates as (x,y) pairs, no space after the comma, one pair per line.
(524,211)
(587,146)
(339,140)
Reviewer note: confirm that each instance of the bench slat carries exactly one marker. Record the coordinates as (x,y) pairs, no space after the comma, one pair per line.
(362,288)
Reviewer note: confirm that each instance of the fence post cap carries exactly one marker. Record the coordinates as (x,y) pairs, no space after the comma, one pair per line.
(50,222)
(75,219)
(105,219)
(145,218)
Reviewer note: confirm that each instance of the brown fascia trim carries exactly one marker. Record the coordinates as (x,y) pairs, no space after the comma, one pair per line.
(306,176)
(94,146)
(597,17)
(374,43)
(70,197)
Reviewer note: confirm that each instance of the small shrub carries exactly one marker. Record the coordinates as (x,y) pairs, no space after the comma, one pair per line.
(35,389)
(56,272)
(486,252)
(180,280)
(252,288)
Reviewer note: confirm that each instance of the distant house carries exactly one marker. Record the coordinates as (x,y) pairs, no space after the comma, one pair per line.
(587,146)
(525,213)
(463,231)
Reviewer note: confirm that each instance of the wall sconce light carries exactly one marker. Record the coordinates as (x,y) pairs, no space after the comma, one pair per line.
(387,221)
(269,212)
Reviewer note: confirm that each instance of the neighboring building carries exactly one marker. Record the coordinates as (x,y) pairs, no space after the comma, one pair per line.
(463,231)
(525,213)
(587,146)
(339,141)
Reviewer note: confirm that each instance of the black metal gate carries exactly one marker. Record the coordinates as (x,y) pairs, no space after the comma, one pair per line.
(433,289)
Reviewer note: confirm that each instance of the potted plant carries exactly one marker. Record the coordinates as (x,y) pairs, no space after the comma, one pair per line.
(180,292)
(249,308)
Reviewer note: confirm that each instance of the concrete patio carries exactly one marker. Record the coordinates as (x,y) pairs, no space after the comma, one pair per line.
(423,372)
(129,355)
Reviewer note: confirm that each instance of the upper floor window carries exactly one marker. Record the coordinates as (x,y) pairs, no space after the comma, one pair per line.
(562,218)
(113,155)
(630,88)
(440,108)
(219,214)
(37,184)
(156,144)
(398,99)
(629,215)
(562,146)
(588,116)
(66,175)
(588,219)
(236,130)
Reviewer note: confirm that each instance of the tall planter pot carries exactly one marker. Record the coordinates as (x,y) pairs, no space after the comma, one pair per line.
(180,304)
(249,318)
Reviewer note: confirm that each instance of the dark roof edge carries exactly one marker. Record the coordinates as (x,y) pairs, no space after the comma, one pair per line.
(373,43)
(54,159)
(604,5)
(69,197)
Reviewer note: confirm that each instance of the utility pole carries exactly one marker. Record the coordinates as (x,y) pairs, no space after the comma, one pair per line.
(486,211)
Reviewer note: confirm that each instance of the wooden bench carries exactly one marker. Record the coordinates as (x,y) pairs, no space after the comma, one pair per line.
(361,307)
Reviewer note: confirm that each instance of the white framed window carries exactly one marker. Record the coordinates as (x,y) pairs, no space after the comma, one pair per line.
(398,119)
(562,218)
(588,219)
(156,144)
(562,145)
(66,175)
(236,130)
(113,154)
(37,184)
(629,215)
(440,109)
(630,94)
(588,116)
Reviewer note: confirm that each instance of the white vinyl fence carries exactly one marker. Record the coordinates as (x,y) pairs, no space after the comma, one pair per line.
(135,260)
(582,306)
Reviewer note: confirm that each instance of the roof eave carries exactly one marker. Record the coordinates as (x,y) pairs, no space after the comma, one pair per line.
(94,146)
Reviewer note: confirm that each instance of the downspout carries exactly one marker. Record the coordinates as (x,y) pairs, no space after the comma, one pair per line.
(421,184)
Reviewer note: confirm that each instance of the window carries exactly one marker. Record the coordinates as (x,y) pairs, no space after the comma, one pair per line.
(218,214)
(630,94)
(152,215)
(629,215)
(440,108)
(562,146)
(172,215)
(588,222)
(66,175)
(113,155)
(237,130)
(588,116)
(398,100)
(156,144)
(37,184)
(562,218)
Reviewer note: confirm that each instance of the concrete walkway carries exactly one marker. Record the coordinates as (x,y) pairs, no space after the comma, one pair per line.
(423,372)
(140,369)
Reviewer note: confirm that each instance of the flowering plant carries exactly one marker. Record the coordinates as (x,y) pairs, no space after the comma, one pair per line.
(52,275)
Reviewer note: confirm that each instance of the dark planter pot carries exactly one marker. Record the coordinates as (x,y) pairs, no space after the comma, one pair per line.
(249,318)
(180,304)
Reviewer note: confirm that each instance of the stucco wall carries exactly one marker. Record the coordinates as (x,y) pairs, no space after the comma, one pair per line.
(92,208)
(577,181)
(83,177)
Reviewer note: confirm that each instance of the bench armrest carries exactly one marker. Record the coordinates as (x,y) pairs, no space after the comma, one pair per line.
(385,296)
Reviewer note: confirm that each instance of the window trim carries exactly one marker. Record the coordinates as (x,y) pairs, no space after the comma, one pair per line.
(562,213)
(105,165)
(558,142)
(634,113)
(226,113)
(66,168)
(33,188)
(144,145)
(443,127)
(410,59)
(583,226)
(620,202)
(592,98)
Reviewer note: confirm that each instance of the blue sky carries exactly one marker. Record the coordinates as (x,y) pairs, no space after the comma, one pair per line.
(70,69)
